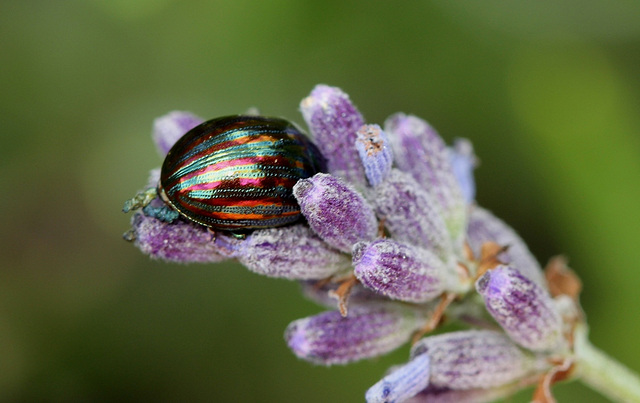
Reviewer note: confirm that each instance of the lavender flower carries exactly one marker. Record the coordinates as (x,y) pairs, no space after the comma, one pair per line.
(334,121)
(402,383)
(411,215)
(463,161)
(376,232)
(474,359)
(293,252)
(370,330)
(335,211)
(399,271)
(434,394)
(180,241)
(523,309)
(420,151)
(375,152)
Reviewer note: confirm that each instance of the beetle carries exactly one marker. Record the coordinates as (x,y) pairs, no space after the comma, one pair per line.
(236,173)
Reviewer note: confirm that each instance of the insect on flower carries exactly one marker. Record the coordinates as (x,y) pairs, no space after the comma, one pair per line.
(234,173)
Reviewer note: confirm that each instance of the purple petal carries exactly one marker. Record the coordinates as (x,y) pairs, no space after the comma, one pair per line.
(369,331)
(335,211)
(485,227)
(523,309)
(334,121)
(292,252)
(169,128)
(419,150)
(404,382)
(399,271)
(474,359)
(410,214)
(375,152)
(463,162)
(179,241)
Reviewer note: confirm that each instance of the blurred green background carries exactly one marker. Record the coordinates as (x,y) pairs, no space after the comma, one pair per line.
(549,93)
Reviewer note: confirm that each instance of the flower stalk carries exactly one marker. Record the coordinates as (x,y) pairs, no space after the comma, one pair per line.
(603,373)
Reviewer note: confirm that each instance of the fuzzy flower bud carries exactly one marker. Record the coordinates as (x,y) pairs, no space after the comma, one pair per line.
(433,394)
(485,227)
(335,211)
(404,382)
(473,359)
(399,271)
(334,121)
(375,153)
(180,241)
(292,252)
(410,214)
(463,161)
(369,331)
(169,128)
(420,151)
(524,309)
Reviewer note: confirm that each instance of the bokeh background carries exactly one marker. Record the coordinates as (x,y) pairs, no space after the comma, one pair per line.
(548,91)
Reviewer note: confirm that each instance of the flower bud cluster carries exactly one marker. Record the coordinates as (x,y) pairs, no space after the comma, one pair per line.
(393,224)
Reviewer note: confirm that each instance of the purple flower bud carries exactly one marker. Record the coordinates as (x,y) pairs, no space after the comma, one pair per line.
(463,162)
(336,212)
(399,271)
(410,214)
(169,128)
(434,394)
(369,331)
(292,252)
(485,227)
(375,152)
(404,382)
(474,359)
(179,241)
(524,309)
(419,150)
(334,121)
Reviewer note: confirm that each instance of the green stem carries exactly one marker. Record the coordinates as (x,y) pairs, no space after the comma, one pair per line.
(603,373)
